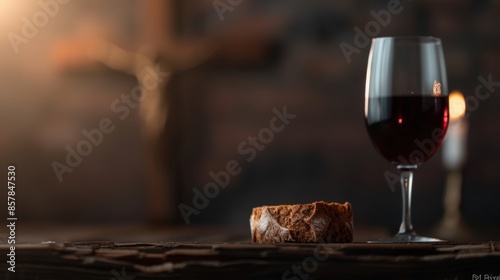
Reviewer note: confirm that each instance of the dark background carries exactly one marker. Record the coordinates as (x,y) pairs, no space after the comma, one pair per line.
(226,77)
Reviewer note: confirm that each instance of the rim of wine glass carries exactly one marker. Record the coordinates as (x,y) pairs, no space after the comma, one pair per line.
(410,39)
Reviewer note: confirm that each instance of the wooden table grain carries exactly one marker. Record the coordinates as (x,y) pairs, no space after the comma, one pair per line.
(245,260)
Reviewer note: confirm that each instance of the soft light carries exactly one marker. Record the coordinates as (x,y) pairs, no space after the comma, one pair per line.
(457,105)
(12,13)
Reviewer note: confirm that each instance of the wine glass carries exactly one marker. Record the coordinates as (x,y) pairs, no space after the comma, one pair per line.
(406,110)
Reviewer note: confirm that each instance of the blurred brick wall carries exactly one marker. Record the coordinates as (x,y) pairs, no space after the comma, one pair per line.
(267,54)
(325,153)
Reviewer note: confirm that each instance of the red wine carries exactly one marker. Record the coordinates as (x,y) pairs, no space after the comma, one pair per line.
(407,130)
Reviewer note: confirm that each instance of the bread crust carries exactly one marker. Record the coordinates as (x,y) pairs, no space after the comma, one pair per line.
(318,222)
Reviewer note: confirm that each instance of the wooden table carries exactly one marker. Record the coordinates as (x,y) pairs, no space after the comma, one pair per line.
(245,260)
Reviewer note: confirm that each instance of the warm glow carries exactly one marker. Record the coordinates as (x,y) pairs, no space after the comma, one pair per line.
(12,13)
(457,105)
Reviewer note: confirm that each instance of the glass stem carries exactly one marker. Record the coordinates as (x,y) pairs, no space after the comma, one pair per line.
(406,172)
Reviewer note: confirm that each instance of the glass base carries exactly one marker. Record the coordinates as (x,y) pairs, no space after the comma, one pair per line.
(407,238)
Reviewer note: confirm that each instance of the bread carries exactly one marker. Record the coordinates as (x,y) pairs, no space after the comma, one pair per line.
(303,223)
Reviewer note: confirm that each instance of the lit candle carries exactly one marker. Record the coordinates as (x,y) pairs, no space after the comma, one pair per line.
(455,141)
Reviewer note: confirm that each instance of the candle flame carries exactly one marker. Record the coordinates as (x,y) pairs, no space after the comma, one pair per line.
(457,105)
